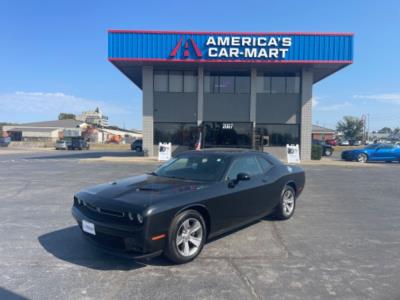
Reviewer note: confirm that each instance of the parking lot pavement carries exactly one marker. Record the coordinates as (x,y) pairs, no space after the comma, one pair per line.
(342,243)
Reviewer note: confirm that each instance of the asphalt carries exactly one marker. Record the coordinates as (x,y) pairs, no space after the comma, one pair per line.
(342,243)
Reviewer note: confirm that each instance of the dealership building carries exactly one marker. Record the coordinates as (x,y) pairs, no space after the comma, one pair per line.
(228,89)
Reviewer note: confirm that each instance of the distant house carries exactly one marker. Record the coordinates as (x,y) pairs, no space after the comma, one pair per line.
(95,117)
(111,135)
(46,131)
(322,134)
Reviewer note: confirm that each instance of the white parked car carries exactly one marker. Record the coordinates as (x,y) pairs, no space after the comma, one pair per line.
(61,145)
(344,143)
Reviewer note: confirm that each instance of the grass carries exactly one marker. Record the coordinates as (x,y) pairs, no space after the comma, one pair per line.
(343,148)
(111,147)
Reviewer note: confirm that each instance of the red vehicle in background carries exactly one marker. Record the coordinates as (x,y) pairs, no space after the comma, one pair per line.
(331,142)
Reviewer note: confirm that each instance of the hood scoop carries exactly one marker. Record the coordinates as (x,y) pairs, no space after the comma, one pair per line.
(153,187)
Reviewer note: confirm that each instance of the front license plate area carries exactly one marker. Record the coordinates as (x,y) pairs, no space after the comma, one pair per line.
(88,227)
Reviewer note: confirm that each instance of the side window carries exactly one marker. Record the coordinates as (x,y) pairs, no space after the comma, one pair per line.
(265,164)
(247,165)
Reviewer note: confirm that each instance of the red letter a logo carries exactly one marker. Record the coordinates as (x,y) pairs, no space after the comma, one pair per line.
(186,52)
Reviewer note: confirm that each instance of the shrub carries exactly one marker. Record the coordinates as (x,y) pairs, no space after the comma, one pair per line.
(316,152)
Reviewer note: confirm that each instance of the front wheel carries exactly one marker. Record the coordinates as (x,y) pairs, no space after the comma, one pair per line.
(362,158)
(187,235)
(287,204)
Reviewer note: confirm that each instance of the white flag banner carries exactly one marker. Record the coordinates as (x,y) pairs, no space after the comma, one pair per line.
(164,151)
(293,154)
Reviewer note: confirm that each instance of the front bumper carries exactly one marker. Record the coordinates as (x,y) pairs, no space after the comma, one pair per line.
(347,156)
(117,239)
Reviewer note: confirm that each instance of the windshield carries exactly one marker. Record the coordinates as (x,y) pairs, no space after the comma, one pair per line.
(199,167)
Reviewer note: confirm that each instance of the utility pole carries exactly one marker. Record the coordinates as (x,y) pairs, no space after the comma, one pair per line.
(363,120)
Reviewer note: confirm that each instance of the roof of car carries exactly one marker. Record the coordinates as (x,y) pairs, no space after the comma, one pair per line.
(225,151)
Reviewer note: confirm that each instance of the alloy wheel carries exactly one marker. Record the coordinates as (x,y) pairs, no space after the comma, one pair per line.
(287,203)
(362,158)
(189,237)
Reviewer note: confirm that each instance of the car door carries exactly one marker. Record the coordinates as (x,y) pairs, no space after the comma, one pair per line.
(239,202)
(270,191)
(385,152)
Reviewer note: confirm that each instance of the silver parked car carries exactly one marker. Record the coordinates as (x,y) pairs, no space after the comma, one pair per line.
(61,145)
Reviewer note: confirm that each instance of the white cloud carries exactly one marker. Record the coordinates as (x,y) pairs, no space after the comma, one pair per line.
(393,98)
(334,107)
(315,101)
(53,103)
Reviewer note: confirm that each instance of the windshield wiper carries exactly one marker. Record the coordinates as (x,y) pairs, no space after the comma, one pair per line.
(153,173)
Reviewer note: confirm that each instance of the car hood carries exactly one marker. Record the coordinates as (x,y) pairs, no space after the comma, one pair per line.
(140,191)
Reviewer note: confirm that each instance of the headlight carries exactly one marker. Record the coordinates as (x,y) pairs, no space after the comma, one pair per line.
(139,218)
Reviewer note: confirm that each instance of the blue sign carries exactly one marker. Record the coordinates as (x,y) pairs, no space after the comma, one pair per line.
(230,47)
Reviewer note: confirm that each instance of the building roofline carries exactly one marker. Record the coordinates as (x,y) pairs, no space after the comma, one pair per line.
(230,33)
(157,60)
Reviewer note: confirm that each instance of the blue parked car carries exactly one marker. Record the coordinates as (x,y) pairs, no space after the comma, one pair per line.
(5,141)
(374,152)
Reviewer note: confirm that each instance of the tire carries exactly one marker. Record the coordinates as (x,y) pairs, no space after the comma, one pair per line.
(328,152)
(286,207)
(362,158)
(180,248)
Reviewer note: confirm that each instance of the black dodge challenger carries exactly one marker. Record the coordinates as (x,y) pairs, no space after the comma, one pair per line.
(193,197)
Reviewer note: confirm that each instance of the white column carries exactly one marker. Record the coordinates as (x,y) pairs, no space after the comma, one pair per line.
(200,95)
(306,113)
(253,100)
(148,109)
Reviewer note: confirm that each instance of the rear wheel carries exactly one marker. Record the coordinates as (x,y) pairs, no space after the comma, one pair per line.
(186,238)
(328,152)
(362,158)
(287,204)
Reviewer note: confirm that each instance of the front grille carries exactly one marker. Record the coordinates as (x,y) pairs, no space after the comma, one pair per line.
(89,206)
(105,215)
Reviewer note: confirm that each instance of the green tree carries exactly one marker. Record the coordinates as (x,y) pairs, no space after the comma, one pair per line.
(385,130)
(351,127)
(66,116)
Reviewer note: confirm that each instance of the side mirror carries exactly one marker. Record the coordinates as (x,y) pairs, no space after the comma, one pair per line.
(239,177)
(242,176)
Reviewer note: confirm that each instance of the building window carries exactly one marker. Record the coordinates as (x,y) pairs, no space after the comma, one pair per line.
(175,81)
(242,84)
(293,85)
(278,134)
(278,84)
(183,134)
(190,82)
(228,134)
(264,84)
(161,81)
(226,84)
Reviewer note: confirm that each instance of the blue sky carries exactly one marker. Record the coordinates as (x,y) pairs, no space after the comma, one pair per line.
(54,53)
